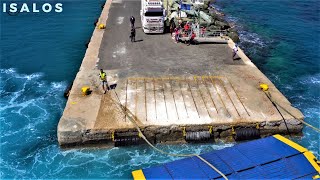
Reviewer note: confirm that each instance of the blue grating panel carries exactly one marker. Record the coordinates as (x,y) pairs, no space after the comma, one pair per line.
(277,170)
(213,159)
(243,161)
(309,176)
(230,177)
(234,159)
(292,167)
(254,173)
(158,172)
(281,148)
(185,169)
(260,151)
(300,165)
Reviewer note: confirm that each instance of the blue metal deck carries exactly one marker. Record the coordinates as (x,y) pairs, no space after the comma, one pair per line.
(274,157)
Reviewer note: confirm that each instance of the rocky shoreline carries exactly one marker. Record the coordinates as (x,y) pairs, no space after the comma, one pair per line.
(205,15)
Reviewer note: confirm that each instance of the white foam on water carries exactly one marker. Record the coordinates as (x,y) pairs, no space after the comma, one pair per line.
(111,163)
(245,36)
(250,37)
(30,108)
(314,80)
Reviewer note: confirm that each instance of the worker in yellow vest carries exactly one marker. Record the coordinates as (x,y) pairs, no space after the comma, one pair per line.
(104,82)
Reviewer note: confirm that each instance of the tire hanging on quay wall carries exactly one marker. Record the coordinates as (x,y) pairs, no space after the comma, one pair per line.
(246,134)
(67,90)
(126,141)
(198,136)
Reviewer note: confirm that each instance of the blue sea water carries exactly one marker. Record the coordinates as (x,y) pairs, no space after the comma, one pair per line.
(41,53)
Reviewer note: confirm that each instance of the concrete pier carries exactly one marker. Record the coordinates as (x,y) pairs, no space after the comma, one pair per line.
(167,87)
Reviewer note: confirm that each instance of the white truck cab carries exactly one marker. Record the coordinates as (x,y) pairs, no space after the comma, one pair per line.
(152,16)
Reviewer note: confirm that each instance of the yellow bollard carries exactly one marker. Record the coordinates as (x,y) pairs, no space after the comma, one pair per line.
(85,90)
(264,87)
(102,26)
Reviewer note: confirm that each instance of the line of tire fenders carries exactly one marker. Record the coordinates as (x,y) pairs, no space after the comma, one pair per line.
(238,134)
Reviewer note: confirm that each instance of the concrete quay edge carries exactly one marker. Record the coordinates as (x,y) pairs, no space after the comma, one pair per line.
(87,73)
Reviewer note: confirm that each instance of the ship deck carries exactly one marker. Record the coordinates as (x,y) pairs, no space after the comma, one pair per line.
(274,157)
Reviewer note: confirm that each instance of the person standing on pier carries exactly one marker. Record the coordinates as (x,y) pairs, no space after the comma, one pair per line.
(132,20)
(235,50)
(186,28)
(103,79)
(133,35)
(203,31)
(176,32)
(192,36)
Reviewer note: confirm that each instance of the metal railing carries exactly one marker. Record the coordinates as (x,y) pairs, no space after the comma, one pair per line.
(215,33)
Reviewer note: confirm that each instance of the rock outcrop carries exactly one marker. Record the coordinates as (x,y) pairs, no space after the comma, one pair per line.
(206,15)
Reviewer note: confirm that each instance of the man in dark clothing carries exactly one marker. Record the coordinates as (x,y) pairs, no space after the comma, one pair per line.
(132,20)
(133,35)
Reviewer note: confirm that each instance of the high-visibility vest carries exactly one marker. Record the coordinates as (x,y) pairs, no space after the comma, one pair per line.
(103,76)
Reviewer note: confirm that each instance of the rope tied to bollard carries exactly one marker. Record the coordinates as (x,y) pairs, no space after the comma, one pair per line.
(264,88)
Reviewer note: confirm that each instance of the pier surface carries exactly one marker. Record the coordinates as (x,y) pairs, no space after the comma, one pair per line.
(166,86)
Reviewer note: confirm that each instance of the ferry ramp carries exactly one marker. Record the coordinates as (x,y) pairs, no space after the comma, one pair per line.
(274,157)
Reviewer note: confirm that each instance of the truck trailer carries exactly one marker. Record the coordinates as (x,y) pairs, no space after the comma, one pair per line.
(152,16)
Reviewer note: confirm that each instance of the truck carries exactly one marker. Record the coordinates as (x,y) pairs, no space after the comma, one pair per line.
(152,16)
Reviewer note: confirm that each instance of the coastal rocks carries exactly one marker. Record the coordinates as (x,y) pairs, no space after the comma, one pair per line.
(215,16)
(222,25)
(206,15)
(213,28)
(234,36)
(232,33)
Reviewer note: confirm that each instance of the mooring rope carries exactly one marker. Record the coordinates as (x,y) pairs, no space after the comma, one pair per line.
(305,123)
(275,105)
(132,120)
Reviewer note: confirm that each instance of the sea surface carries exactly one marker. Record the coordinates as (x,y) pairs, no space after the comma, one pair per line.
(41,53)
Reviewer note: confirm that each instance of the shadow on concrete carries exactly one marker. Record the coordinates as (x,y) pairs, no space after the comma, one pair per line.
(140,40)
(113,86)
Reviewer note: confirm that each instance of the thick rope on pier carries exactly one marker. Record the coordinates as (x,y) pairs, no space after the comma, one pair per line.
(305,123)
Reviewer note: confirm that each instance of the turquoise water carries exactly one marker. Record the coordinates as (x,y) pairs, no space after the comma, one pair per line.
(282,39)
(41,53)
